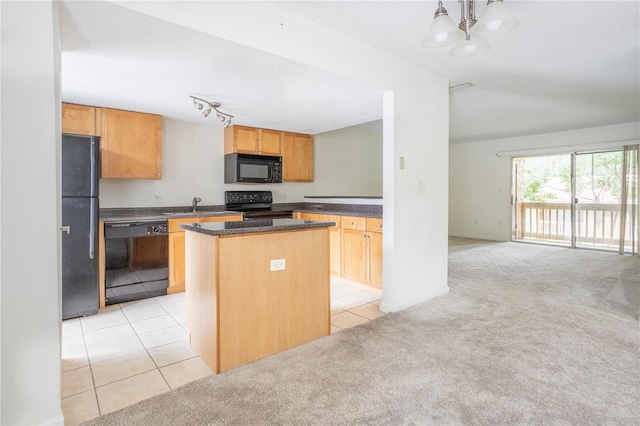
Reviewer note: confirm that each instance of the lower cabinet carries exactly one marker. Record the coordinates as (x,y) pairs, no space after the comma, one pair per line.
(334,238)
(355,247)
(374,237)
(176,247)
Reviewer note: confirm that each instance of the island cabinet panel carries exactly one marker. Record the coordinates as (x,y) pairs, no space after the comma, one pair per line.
(259,312)
(131,145)
(201,301)
(81,120)
(177,248)
(251,140)
(297,157)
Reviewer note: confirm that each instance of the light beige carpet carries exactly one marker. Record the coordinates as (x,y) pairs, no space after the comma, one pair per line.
(528,335)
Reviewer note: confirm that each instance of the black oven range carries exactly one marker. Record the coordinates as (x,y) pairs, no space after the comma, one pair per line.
(254,205)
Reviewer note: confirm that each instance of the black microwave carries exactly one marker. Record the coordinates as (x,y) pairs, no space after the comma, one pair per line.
(248,168)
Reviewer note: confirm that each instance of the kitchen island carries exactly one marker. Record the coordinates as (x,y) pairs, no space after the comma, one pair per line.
(255,288)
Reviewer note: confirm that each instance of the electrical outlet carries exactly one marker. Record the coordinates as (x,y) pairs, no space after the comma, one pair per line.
(159,196)
(421,186)
(277,264)
(283,197)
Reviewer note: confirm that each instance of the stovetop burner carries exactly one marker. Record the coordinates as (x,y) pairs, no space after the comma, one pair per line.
(254,204)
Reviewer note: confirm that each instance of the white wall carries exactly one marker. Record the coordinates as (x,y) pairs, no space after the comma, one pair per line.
(29,216)
(347,162)
(416,121)
(480,182)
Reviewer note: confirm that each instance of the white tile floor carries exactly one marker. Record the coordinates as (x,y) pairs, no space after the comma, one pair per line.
(135,350)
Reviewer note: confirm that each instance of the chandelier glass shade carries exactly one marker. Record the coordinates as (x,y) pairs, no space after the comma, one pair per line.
(494,21)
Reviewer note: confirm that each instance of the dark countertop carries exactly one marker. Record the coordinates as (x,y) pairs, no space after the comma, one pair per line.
(161,213)
(360,210)
(165,213)
(253,226)
(365,197)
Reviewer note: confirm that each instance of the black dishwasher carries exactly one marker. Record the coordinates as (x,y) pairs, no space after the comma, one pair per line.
(136,260)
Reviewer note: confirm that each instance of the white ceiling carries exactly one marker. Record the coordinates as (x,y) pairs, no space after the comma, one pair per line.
(570,64)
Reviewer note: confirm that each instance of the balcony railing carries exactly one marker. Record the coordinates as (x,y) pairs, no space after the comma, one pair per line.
(597,225)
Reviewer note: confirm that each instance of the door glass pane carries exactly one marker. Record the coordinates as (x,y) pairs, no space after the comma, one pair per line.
(598,185)
(542,208)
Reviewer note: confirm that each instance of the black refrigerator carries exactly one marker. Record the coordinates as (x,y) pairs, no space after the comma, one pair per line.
(80,174)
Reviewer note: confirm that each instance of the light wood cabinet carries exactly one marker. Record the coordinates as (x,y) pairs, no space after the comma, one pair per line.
(297,157)
(238,311)
(81,120)
(335,239)
(355,246)
(374,231)
(131,145)
(362,250)
(251,140)
(177,244)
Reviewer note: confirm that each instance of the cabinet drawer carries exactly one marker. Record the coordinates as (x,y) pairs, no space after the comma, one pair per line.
(374,225)
(353,222)
(322,218)
(174,224)
(333,218)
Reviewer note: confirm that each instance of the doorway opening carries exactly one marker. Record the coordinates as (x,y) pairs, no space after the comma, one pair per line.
(581,200)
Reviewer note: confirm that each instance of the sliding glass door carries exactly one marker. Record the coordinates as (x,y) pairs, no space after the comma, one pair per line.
(542,202)
(598,182)
(586,200)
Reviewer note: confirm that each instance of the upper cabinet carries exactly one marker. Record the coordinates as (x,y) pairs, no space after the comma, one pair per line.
(131,145)
(80,120)
(297,157)
(250,140)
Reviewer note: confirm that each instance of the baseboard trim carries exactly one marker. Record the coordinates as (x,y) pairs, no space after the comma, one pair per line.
(53,421)
(388,307)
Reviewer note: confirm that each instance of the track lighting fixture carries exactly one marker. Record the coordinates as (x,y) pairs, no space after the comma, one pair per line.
(200,104)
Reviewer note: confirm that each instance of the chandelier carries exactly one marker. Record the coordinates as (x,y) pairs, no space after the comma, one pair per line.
(200,103)
(494,21)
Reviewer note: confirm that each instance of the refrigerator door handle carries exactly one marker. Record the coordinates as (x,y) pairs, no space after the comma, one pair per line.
(94,171)
(92,229)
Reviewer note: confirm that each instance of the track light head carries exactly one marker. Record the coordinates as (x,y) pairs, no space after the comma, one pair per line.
(200,103)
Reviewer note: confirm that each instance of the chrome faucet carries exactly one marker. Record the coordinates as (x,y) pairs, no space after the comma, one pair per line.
(194,203)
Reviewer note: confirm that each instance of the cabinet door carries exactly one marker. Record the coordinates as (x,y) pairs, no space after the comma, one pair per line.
(297,158)
(176,262)
(177,281)
(335,249)
(131,145)
(241,139)
(354,255)
(270,142)
(80,120)
(375,259)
